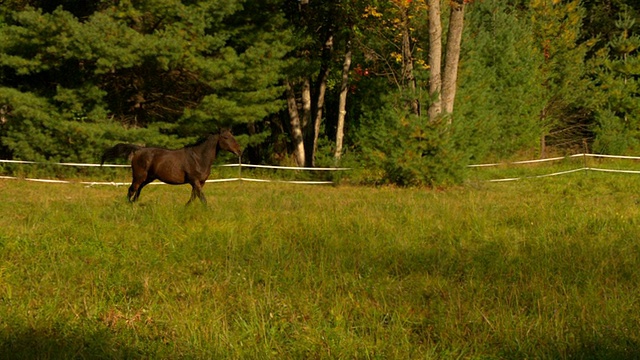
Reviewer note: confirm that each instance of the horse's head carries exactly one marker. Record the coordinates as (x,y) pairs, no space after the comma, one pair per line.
(226,141)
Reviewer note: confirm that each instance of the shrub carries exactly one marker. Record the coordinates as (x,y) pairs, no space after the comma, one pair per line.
(408,150)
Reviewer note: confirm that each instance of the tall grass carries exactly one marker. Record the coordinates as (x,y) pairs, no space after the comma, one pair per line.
(546,268)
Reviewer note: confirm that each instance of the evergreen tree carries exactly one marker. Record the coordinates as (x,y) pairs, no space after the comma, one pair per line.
(557,30)
(164,71)
(501,91)
(618,86)
(600,18)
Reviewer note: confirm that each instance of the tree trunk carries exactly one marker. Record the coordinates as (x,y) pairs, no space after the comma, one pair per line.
(306,124)
(435,59)
(322,88)
(296,127)
(306,103)
(454,40)
(407,62)
(342,105)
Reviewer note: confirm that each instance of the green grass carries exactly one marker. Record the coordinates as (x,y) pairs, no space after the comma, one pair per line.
(544,268)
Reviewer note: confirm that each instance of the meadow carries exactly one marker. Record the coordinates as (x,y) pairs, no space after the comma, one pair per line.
(544,269)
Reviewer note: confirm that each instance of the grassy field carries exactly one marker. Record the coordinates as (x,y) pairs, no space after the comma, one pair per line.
(545,268)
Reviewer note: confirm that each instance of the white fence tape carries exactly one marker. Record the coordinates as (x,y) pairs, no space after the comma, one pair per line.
(610,156)
(615,171)
(567,172)
(557,159)
(562,172)
(541,176)
(552,159)
(225,165)
(112,183)
(61,164)
(287,167)
(518,162)
(240,165)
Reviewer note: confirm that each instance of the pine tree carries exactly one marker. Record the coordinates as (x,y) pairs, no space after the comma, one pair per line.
(157,72)
(501,89)
(557,26)
(618,112)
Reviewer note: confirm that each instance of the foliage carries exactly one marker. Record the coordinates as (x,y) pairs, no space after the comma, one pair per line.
(76,77)
(613,136)
(557,28)
(379,36)
(501,90)
(408,150)
(618,75)
(172,68)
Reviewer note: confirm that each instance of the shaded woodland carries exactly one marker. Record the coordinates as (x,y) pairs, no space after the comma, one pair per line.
(413,90)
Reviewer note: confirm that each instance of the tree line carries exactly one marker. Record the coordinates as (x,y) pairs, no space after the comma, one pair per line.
(411,89)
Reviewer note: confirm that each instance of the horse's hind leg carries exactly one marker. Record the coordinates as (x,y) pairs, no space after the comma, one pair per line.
(135,189)
(135,198)
(132,191)
(138,178)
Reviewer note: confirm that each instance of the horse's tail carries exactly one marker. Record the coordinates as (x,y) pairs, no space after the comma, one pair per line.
(120,151)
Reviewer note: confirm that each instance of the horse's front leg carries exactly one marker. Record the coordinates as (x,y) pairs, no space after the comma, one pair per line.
(201,194)
(193,194)
(196,191)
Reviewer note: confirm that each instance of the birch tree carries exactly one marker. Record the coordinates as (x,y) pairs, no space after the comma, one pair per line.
(452,55)
(321,27)
(309,20)
(442,87)
(435,59)
(296,126)
(342,104)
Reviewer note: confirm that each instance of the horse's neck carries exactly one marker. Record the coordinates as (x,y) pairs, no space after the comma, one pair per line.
(207,150)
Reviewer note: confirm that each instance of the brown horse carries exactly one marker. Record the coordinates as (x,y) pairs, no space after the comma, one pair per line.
(191,164)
